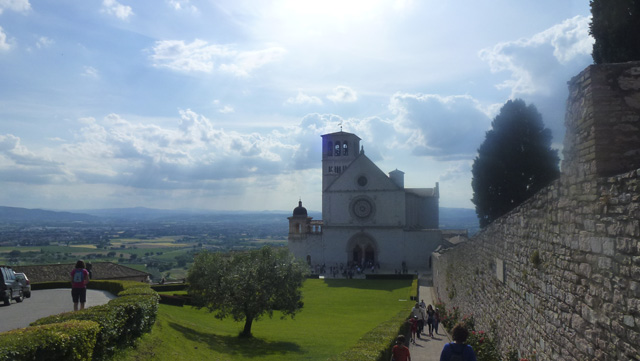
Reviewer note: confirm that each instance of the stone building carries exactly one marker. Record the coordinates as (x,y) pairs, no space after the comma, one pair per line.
(369,218)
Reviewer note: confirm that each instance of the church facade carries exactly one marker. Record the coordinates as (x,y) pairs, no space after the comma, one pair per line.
(369,217)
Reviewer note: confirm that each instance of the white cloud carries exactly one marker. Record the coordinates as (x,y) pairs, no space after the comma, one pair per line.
(112,7)
(20,6)
(179,5)
(18,164)
(44,42)
(91,72)
(226,109)
(534,62)
(199,56)
(449,127)
(343,94)
(245,62)
(303,98)
(4,46)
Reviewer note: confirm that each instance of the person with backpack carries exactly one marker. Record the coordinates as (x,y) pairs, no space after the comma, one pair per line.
(79,280)
(400,352)
(458,350)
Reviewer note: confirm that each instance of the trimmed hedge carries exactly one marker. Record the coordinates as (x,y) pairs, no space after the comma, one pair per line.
(170,287)
(377,343)
(118,323)
(73,340)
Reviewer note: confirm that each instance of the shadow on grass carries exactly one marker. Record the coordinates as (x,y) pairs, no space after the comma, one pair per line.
(381,285)
(233,345)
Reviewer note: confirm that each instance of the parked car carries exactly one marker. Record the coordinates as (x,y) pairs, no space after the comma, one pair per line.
(25,283)
(10,288)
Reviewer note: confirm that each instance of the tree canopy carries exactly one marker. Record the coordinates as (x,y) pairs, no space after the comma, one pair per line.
(615,26)
(514,162)
(247,285)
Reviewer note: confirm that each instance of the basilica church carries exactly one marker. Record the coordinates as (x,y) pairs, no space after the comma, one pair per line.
(369,217)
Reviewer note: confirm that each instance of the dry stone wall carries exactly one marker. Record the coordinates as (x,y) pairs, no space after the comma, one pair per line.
(559,276)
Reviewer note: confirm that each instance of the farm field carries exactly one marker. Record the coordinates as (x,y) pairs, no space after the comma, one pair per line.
(161,256)
(336,314)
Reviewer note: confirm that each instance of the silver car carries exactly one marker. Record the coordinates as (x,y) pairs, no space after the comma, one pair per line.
(24,283)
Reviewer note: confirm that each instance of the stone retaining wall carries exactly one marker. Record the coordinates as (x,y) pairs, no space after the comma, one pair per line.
(559,276)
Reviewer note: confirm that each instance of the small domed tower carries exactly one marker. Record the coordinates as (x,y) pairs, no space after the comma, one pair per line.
(299,223)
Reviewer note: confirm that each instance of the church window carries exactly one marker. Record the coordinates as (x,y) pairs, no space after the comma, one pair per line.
(330,169)
(345,149)
(330,149)
(337,148)
(338,169)
(362,181)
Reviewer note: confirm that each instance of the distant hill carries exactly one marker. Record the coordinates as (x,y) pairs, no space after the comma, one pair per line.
(459,218)
(450,218)
(24,215)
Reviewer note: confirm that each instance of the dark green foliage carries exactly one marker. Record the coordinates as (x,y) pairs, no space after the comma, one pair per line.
(615,26)
(514,162)
(247,285)
(73,340)
(121,321)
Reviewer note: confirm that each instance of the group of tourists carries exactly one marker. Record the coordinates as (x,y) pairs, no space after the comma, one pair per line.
(457,350)
(421,314)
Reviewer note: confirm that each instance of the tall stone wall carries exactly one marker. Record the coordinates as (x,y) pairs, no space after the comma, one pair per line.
(559,276)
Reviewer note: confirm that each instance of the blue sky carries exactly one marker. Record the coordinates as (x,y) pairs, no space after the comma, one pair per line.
(221,104)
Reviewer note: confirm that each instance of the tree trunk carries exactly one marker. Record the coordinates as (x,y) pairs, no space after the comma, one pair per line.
(247,328)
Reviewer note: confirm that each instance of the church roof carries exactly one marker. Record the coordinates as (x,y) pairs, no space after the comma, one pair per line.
(60,272)
(340,133)
(422,192)
(361,162)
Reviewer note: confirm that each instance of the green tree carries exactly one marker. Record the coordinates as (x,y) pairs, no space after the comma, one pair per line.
(247,285)
(615,26)
(514,162)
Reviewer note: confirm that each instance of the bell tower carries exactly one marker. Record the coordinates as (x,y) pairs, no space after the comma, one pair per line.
(338,151)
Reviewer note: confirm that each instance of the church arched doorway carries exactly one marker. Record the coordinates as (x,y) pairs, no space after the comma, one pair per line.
(362,250)
(356,255)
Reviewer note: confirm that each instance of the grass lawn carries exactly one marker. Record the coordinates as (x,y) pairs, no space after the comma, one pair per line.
(336,314)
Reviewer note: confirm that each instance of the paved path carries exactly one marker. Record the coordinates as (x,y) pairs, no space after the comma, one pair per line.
(44,303)
(427,348)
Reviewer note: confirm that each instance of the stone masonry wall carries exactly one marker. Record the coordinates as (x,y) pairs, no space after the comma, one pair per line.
(559,276)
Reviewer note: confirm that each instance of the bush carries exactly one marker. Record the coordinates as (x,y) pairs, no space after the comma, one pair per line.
(121,321)
(72,340)
(170,287)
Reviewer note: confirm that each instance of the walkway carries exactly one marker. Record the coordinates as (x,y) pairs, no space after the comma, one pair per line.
(427,348)
(44,303)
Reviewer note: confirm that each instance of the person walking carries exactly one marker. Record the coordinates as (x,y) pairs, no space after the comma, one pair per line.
(417,313)
(79,280)
(430,319)
(458,350)
(436,320)
(400,352)
(414,328)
